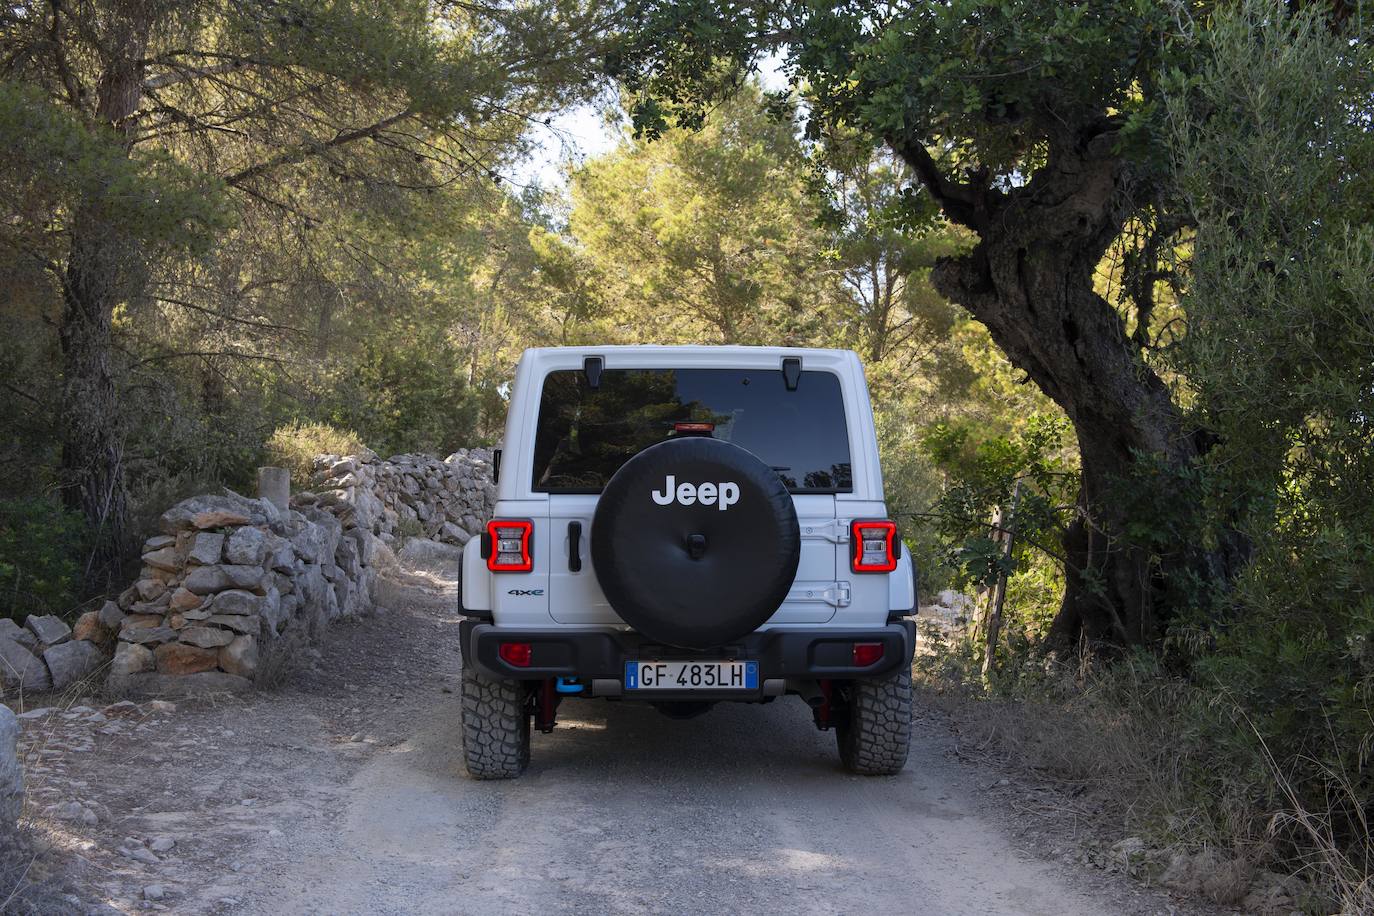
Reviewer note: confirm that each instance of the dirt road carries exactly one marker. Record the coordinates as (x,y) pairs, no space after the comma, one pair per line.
(344,794)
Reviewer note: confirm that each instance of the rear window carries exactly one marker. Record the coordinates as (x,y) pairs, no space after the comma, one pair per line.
(584,436)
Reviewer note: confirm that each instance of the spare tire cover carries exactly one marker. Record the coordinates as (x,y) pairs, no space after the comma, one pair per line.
(686,558)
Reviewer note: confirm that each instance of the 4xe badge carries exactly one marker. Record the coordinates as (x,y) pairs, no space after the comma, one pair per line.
(526,592)
(724,494)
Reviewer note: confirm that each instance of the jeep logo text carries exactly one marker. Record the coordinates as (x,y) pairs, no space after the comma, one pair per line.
(724,494)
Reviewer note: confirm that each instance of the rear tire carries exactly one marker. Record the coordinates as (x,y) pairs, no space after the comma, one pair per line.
(496,726)
(875,733)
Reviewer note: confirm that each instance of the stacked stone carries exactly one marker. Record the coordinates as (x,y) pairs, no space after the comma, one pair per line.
(11,773)
(447,501)
(226,577)
(46,654)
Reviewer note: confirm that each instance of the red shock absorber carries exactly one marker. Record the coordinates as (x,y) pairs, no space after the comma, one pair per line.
(546,705)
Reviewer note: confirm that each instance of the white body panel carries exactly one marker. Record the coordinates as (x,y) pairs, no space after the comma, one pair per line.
(825,592)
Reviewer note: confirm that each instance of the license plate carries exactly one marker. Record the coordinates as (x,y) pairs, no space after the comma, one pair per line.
(691,675)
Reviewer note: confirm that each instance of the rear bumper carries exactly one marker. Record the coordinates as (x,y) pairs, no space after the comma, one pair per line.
(600,655)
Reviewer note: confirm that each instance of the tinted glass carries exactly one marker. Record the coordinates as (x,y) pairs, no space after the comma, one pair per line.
(584,436)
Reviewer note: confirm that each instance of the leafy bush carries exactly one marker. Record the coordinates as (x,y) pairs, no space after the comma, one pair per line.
(295,446)
(40,557)
(984,473)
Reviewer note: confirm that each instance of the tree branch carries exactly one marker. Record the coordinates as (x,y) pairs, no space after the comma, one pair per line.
(963,202)
(301,153)
(162,81)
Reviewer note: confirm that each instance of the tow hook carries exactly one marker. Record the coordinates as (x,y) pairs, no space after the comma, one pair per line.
(545,705)
(822,709)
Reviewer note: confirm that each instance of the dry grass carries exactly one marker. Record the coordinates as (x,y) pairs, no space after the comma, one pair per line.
(279,660)
(31,882)
(1126,736)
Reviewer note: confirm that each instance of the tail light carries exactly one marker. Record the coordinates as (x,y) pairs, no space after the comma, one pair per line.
(876,546)
(867,653)
(518,654)
(508,547)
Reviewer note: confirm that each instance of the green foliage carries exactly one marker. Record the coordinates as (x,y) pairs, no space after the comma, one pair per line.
(1257,710)
(405,394)
(294,446)
(1030,469)
(53,160)
(1271,145)
(41,546)
(714,229)
(985,82)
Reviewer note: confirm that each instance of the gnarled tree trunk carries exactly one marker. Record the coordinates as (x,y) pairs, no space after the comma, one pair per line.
(1030,281)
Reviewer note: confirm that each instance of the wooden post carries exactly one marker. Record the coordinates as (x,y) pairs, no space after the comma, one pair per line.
(1005,526)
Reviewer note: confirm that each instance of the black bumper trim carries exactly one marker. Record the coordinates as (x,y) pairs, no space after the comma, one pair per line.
(588,654)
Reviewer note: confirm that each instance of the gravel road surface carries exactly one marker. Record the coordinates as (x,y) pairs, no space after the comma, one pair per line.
(744,809)
(343,793)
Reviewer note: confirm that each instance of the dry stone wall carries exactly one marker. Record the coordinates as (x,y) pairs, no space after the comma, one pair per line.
(223,581)
(46,654)
(418,495)
(227,578)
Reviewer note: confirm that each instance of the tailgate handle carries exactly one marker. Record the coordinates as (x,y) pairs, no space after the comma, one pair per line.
(574,546)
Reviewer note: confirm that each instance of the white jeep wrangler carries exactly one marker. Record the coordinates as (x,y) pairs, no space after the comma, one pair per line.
(682,526)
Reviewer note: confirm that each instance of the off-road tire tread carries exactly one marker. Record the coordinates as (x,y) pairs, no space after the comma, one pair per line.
(877,736)
(496,726)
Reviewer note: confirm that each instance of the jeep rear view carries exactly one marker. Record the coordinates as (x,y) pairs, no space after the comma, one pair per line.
(683,526)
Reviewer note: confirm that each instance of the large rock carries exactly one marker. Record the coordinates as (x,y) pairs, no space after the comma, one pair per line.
(183,599)
(249,577)
(346,557)
(179,658)
(111,616)
(69,662)
(205,580)
(206,637)
(20,669)
(240,656)
(11,630)
(281,557)
(11,773)
(165,558)
(246,547)
(147,636)
(150,589)
(131,659)
(236,601)
(89,628)
(48,629)
(206,548)
(206,512)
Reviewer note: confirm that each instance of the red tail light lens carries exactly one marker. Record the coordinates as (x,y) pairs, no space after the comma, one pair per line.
(867,653)
(875,546)
(510,545)
(515,653)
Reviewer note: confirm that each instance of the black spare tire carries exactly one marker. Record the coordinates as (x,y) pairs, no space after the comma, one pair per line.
(695,542)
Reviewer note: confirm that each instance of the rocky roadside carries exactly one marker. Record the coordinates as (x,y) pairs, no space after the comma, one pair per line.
(160,806)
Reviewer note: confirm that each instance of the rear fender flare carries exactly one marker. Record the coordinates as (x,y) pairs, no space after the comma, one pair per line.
(476,584)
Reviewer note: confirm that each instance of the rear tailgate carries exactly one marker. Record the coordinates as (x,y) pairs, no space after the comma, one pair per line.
(576,597)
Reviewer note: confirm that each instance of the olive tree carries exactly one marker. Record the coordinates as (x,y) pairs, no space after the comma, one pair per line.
(1039,128)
